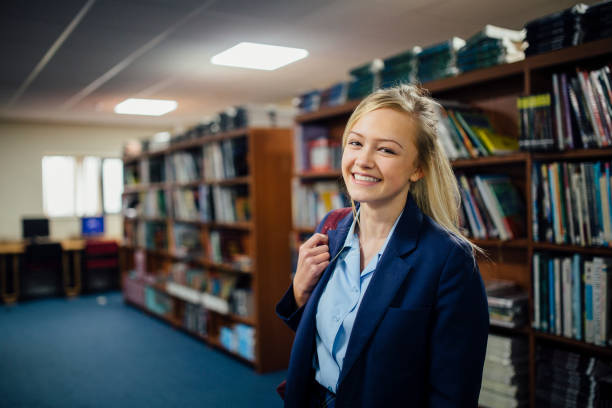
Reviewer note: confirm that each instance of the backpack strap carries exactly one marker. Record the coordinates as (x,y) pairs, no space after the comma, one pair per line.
(332,220)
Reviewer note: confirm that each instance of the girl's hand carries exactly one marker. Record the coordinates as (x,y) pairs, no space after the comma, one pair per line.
(313,258)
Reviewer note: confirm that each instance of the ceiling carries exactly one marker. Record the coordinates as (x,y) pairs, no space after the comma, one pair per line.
(74,60)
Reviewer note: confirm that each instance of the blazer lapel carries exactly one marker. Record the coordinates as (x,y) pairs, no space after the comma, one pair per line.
(390,272)
(306,330)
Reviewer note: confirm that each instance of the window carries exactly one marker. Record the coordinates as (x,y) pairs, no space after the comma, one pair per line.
(81,185)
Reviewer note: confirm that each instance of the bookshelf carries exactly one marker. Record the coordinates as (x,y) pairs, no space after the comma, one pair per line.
(496,90)
(192,225)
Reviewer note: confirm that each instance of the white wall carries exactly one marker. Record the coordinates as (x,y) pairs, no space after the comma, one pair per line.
(22,146)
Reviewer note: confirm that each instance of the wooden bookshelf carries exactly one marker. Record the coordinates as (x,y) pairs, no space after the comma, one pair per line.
(497,89)
(264,235)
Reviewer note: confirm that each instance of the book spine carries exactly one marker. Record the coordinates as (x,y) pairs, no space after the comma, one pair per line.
(552,328)
(588,303)
(547,215)
(599,231)
(596,282)
(566,112)
(566,269)
(535,200)
(591,106)
(558,298)
(570,215)
(605,205)
(604,304)
(601,106)
(536,291)
(586,201)
(577,297)
(490,202)
(544,314)
(557,113)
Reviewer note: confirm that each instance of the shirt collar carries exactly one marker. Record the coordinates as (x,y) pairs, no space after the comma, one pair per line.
(352,240)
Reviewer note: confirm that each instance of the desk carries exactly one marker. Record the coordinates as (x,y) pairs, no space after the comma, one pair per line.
(7,249)
(15,249)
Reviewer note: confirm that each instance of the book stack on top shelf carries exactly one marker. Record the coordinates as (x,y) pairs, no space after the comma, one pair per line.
(566,218)
(209,232)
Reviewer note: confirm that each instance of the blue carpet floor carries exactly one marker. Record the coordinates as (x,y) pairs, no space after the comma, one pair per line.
(83,353)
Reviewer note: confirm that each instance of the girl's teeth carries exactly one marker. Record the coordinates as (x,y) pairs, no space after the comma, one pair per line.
(365,178)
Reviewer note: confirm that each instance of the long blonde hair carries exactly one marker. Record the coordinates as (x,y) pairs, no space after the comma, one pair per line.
(436,193)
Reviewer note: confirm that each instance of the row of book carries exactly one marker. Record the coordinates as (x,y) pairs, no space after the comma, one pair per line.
(185,166)
(232,118)
(572,26)
(315,150)
(508,303)
(313,200)
(491,207)
(490,46)
(240,339)
(578,113)
(569,379)
(505,376)
(572,203)
(226,159)
(572,297)
(230,247)
(467,132)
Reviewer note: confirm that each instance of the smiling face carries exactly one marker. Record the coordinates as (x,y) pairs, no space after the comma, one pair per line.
(379,158)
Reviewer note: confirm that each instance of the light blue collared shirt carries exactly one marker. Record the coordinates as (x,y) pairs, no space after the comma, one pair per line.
(338,307)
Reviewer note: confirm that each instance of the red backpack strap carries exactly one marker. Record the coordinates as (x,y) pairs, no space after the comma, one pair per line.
(332,220)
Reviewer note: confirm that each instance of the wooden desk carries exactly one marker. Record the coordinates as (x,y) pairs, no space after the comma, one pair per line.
(72,246)
(69,247)
(7,249)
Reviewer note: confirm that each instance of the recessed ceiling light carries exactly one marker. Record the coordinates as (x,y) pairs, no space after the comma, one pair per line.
(258,56)
(148,107)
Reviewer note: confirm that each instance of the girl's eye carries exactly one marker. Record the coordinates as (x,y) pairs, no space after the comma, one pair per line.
(386,150)
(354,143)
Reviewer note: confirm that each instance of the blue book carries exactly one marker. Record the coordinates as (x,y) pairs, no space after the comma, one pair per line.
(553,204)
(577,297)
(551,296)
(535,182)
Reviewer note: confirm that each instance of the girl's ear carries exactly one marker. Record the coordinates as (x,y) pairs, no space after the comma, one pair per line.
(417,175)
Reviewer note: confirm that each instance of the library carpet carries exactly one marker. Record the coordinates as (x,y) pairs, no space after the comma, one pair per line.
(95,351)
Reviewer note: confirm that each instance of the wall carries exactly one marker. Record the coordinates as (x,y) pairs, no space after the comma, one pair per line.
(22,146)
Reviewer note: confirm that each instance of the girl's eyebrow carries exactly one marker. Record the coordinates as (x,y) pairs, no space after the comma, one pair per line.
(378,139)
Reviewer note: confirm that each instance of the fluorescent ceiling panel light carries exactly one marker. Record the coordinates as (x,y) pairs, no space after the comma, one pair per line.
(258,56)
(147,107)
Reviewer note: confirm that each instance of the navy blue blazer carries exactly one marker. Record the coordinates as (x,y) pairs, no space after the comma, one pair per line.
(420,334)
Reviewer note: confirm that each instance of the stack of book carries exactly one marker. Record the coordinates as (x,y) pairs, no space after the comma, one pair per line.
(507,303)
(226,159)
(491,207)
(467,132)
(308,102)
(400,68)
(567,379)
(195,318)
(598,21)
(572,203)
(572,297)
(491,46)
(505,378)
(366,78)
(555,31)
(440,60)
(334,95)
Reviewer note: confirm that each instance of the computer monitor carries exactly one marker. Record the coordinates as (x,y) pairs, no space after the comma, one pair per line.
(34,227)
(92,226)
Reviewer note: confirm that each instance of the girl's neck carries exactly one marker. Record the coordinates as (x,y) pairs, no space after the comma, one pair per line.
(376,222)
